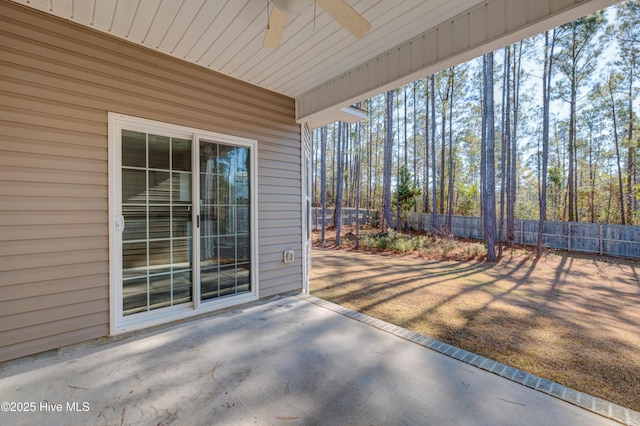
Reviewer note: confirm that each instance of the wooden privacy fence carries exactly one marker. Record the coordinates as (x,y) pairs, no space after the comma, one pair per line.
(604,239)
(348,217)
(612,240)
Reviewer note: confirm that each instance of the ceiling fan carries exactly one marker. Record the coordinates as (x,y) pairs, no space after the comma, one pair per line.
(338,9)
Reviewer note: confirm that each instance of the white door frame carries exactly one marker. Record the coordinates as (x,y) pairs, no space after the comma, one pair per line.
(306,206)
(119,323)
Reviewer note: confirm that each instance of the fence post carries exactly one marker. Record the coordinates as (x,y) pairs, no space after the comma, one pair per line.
(521,232)
(569,237)
(601,239)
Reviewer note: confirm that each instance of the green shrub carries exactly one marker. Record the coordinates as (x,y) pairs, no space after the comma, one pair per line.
(382,242)
(405,243)
(475,251)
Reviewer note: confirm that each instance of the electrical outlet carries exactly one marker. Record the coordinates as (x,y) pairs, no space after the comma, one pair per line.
(288,256)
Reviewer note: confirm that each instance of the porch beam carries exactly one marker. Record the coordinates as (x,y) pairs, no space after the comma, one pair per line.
(479,30)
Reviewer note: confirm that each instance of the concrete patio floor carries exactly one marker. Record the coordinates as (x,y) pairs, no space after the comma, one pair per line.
(284,361)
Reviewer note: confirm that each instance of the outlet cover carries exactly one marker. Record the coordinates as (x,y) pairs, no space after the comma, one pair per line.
(288,256)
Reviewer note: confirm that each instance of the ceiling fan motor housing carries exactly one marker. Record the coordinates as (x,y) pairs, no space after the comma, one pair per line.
(293,7)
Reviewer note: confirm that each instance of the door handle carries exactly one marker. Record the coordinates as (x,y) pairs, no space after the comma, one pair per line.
(119,222)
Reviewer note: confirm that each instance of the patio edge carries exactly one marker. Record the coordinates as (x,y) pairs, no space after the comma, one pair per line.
(583,400)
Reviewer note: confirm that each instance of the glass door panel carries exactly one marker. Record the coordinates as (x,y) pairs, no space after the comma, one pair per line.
(158,233)
(224,220)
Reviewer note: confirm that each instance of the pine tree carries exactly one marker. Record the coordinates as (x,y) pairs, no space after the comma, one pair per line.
(489,195)
(388,151)
(546,89)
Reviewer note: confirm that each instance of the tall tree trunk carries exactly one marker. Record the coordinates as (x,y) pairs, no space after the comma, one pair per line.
(415,145)
(347,170)
(406,140)
(443,133)
(572,144)
(483,138)
(617,144)
(357,185)
(511,203)
(450,201)
(369,157)
(426,146)
(397,221)
(313,168)
(376,172)
(388,150)
(610,199)
(444,97)
(323,179)
(560,210)
(489,183)
(434,217)
(403,226)
(546,88)
(333,170)
(339,184)
(505,158)
(592,178)
(630,154)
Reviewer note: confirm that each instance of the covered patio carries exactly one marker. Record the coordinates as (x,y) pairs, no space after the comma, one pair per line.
(79,78)
(287,360)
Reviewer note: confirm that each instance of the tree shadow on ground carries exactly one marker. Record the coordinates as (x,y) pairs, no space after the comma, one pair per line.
(569,319)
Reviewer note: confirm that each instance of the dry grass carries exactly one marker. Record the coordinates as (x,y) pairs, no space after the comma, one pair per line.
(574,320)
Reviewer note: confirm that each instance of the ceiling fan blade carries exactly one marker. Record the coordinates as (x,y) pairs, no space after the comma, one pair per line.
(277,21)
(347,16)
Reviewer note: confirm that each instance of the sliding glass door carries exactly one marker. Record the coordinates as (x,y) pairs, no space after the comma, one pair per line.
(183,220)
